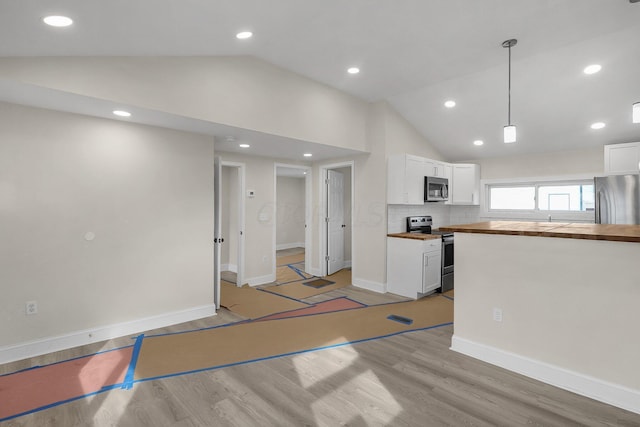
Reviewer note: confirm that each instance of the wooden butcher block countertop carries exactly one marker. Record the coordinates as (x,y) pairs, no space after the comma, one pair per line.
(614,232)
(416,236)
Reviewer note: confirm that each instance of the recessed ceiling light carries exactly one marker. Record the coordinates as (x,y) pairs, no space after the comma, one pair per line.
(450,103)
(57,21)
(122,113)
(243,35)
(592,69)
(308,154)
(478,142)
(244,146)
(353,70)
(598,125)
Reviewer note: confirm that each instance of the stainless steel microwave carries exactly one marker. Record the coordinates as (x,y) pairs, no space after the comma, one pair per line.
(436,189)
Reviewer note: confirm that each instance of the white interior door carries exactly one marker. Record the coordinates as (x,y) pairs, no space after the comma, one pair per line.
(335,221)
(240,231)
(217,226)
(308,220)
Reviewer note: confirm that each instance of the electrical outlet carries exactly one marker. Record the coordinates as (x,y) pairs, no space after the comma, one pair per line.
(31,308)
(497,314)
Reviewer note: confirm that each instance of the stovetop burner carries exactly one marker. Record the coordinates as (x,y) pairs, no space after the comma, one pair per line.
(423,224)
(419,224)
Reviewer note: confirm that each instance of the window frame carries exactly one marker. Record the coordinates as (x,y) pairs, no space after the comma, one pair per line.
(536,214)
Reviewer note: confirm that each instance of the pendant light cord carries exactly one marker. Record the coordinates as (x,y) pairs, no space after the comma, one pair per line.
(509,103)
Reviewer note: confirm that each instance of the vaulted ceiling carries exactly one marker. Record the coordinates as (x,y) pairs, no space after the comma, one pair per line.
(415,54)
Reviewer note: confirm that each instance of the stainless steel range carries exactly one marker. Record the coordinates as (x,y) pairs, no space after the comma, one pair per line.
(423,224)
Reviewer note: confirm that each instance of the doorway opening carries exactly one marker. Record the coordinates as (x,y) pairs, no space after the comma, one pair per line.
(232,222)
(231,219)
(336,225)
(293,217)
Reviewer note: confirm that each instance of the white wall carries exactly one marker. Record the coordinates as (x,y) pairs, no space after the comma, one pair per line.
(244,92)
(290,212)
(559,163)
(402,137)
(145,193)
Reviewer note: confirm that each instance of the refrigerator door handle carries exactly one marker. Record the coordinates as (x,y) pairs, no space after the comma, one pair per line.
(598,207)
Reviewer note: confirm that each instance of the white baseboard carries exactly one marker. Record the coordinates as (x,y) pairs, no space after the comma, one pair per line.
(229,267)
(369,285)
(33,348)
(261,280)
(347,264)
(594,388)
(282,246)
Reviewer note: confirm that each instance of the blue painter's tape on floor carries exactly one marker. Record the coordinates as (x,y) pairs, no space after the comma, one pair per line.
(127,384)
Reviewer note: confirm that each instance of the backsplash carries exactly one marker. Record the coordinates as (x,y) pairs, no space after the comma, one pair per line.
(441,214)
(397,215)
(446,215)
(464,215)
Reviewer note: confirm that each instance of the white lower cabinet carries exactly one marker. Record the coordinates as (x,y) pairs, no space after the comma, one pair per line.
(431,270)
(414,266)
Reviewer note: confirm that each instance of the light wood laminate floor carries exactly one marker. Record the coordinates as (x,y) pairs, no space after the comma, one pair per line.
(406,380)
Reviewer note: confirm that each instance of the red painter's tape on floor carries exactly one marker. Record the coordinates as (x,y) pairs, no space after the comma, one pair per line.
(321,307)
(29,390)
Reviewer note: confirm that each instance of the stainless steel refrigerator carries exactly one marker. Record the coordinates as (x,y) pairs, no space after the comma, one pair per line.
(617,199)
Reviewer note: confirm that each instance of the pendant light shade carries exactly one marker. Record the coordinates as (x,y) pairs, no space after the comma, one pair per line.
(636,112)
(509,134)
(509,129)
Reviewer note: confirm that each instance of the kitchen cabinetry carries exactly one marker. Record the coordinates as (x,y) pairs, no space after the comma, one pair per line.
(435,168)
(405,180)
(414,266)
(465,185)
(621,159)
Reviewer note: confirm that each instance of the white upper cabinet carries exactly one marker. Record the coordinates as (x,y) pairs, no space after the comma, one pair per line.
(465,185)
(435,168)
(405,180)
(621,159)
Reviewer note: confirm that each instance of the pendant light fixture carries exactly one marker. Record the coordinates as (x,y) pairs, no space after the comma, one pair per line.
(509,129)
(636,112)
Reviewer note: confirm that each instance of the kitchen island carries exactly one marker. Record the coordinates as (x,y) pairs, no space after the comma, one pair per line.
(558,302)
